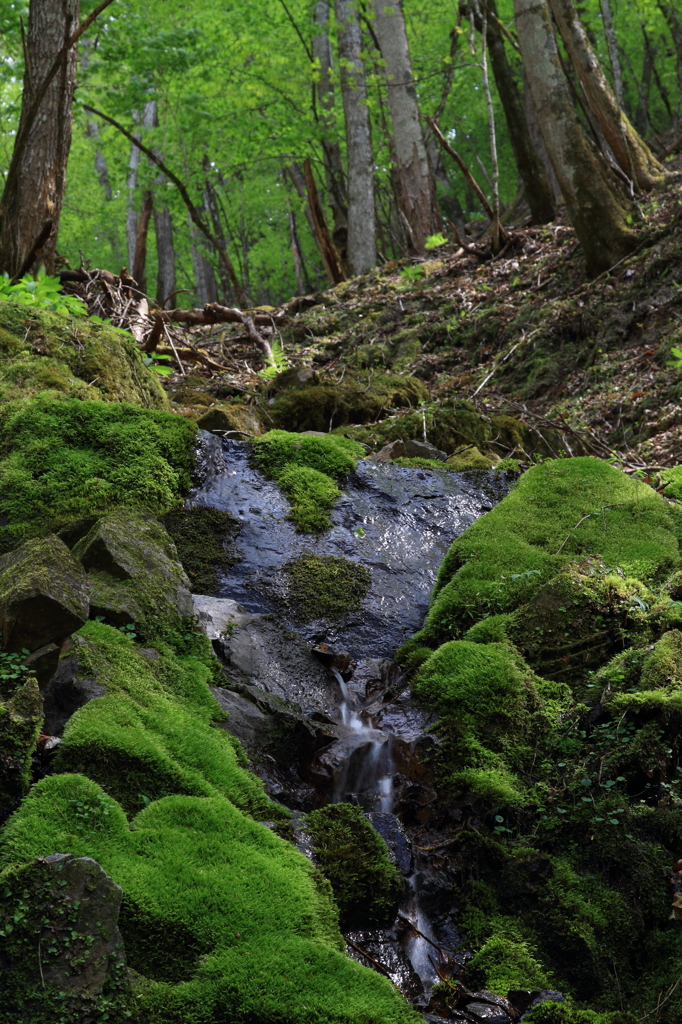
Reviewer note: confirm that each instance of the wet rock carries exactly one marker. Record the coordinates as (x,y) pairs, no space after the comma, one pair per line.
(43,663)
(133,571)
(408,519)
(486,996)
(242,419)
(392,832)
(546,995)
(65,909)
(375,679)
(424,450)
(209,461)
(486,1013)
(44,594)
(68,690)
(20,719)
(521,998)
(379,949)
(218,615)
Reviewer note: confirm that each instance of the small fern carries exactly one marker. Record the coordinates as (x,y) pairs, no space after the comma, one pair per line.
(279,363)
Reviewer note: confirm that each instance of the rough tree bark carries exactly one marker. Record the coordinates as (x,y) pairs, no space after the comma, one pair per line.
(333,163)
(361,227)
(204,278)
(631,153)
(148,120)
(165,255)
(529,164)
(597,211)
(612,43)
(34,192)
(416,190)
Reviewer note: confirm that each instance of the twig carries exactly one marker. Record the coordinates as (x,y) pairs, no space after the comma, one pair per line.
(40,962)
(175,351)
(420,934)
(376,963)
(443,978)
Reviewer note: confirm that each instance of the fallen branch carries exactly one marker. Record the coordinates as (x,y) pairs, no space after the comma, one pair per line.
(212,313)
(371,959)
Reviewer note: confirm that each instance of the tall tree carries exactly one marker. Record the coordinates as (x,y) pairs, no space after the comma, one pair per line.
(528,162)
(631,153)
(34,188)
(147,120)
(598,212)
(416,190)
(333,163)
(362,254)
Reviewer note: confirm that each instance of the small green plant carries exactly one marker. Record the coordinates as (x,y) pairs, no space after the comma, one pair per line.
(90,814)
(279,363)
(159,364)
(413,273)
(13,672)
(434,241)
(676,361)
(44,291)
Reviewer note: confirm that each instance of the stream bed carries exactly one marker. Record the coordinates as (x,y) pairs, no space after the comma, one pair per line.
(320,706)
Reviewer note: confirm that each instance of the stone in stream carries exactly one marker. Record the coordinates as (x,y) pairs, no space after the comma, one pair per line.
(44,594)
(64,911)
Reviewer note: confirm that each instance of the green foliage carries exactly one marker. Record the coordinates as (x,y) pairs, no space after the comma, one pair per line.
(305,468)
(60,460)
(506,960)
(279,363)
(13,672)
(352,855)
(43,291)
(434,241)
(202,536)
(267,918)
(325,587)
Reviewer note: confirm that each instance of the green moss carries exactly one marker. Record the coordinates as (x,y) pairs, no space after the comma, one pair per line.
(306,467)
(557,512)
(20,720)
(470,459)
(326,587)
(549,1012)
(202,537)
(151,734)
(60,460)
(249,905)
(506,960)
(352,855)
(43,352)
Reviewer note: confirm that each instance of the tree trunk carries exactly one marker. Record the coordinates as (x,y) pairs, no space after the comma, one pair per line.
(148,121)
(538,141)
(333,164)
(674,20)
(598,214)
(204,278)
(33,197)
(447,196)
(630,151)
(416,191)
(530,166)
(361,227)
(165,255)
(612,43)
(139,271)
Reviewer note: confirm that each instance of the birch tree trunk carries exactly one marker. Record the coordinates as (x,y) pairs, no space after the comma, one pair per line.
(528,162)
(416,191)
(598,213)
(361,226)
(631,153)
(34,191)
(333,164)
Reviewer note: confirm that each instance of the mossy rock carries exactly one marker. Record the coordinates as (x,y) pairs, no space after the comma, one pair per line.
(43,352)
(325,587)
(63,460)
(269,917)
(367,886)
(20,719)
(133,572)
(204,538)
(359,399)
(471,459)
(245,419)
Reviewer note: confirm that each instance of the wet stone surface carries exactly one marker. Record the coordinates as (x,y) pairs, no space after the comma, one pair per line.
(409,518)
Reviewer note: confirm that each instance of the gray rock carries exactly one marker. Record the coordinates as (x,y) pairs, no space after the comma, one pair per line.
(44,594)
(392,832)
(424,450)
(216,615)
(20,719)
(68,690)
(545,995)
(487,1013)
(383,948)
(75,531)
(133,569)
(65,909)
(209,461)
(393,450)
(43,663)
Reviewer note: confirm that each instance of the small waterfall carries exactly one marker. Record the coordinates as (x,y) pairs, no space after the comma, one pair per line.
(420,944)
(367,778)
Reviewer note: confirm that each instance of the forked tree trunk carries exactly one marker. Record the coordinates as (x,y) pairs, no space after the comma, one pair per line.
(416,191)
(631,153)
(362,254)
(34,193)
(528,162)
(598,213)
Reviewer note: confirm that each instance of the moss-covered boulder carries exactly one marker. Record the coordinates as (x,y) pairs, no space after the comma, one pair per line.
(20,720)
(63,460)
(235,417)
(133,571)
(44,594)
(471,458)
(352,855)
(44,353)
(61,951)
(204,539)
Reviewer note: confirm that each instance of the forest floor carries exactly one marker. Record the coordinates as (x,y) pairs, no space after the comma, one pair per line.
(524,332)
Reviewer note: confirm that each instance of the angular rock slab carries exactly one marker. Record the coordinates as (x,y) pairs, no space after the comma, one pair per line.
(68,690)
(133,569)
(64,911)
(44,594)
